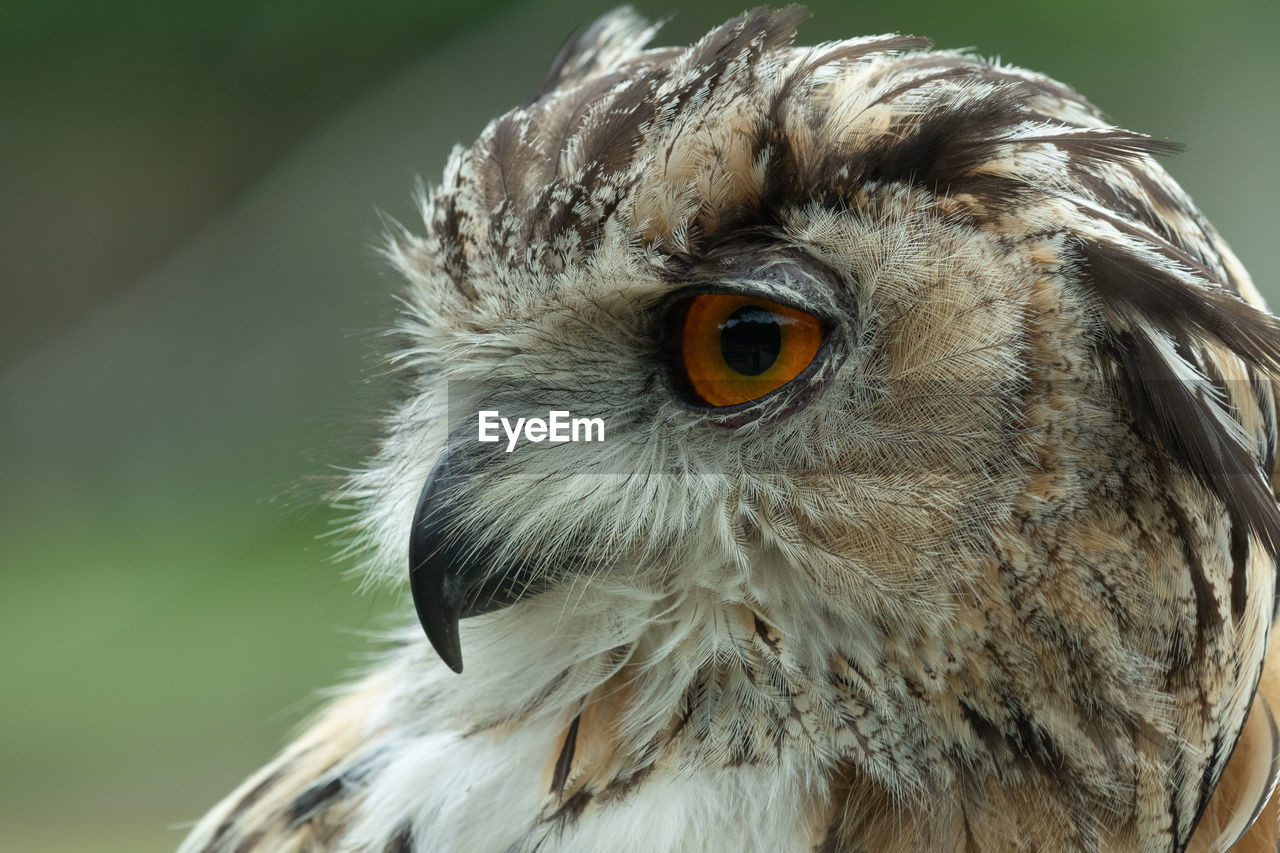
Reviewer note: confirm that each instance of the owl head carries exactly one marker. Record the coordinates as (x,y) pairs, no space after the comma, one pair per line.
(936,425)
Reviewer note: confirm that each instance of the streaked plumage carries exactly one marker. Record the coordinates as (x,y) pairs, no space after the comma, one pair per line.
(997,572)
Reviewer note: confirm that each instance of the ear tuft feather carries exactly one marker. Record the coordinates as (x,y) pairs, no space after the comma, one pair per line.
(1169,324)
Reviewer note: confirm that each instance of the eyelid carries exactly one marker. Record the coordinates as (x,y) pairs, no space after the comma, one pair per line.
(792,298)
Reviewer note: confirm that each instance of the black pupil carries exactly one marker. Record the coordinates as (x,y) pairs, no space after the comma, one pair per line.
(750,340)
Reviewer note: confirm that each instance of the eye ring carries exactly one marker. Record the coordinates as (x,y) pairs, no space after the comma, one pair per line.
(733,349)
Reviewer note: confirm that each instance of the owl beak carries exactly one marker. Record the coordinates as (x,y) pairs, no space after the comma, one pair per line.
(451,577)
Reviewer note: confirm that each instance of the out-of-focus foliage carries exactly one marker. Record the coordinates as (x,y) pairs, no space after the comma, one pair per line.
(139,119)
(189,348)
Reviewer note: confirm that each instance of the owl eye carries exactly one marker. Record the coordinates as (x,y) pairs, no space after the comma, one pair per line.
(735,348)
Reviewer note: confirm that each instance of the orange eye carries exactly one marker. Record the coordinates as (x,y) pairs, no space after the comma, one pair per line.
(735,349)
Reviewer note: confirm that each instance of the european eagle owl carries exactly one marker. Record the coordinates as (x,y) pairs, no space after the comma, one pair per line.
(850,448)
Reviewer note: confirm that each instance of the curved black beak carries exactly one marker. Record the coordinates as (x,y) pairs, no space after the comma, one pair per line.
(450,576)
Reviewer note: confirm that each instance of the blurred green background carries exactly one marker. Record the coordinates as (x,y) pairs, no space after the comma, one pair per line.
(188,348)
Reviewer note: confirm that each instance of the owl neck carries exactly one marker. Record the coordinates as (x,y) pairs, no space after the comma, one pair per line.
(716,690)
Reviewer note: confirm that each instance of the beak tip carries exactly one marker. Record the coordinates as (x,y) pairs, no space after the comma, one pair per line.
(449,651)
(439,621)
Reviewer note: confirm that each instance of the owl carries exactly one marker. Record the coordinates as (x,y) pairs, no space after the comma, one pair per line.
(849,448)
